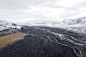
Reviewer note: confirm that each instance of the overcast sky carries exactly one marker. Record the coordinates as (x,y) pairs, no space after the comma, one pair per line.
(24,10)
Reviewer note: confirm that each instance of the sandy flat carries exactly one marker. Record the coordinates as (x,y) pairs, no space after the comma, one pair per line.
(10,39)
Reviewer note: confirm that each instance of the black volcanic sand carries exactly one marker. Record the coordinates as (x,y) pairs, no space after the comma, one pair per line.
(47,42)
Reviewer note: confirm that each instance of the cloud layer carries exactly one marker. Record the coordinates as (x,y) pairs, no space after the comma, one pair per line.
(23,10)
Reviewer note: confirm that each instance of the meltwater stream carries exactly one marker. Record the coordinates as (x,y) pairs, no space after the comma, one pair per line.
(47,42)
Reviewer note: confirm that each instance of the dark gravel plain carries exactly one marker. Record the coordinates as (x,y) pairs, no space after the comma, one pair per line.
(47,42)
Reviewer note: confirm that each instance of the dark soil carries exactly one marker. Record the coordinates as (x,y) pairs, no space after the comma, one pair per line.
(41,43)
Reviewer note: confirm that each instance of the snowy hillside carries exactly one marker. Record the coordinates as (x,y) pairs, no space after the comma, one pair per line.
(80,21)
(7,25)
(78,24)
(66,22)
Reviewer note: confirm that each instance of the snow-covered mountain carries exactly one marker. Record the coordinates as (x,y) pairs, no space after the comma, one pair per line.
(7,25)
(81,21)
(66,22)
(78,24)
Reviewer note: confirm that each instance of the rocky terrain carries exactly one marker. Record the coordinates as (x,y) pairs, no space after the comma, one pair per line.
(47,42)
(50,38)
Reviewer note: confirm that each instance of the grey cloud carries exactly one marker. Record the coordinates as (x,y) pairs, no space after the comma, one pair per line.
(18,16)
(37,2)
(72,8)
(69,14)
(12,5)
(53,6)
(23,4)
(81,4)
(15,9)
(33,15)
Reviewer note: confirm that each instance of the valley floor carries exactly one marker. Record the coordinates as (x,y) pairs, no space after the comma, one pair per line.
(38,41)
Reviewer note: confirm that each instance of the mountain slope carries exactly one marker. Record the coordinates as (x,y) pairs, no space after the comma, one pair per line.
(81,21)
(7,25)
(47,42)
(78,21)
